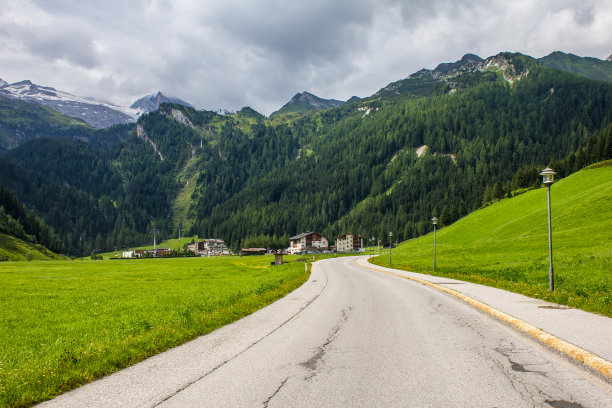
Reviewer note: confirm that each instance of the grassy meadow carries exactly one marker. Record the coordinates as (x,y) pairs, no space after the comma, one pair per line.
(67,323)
(506,244)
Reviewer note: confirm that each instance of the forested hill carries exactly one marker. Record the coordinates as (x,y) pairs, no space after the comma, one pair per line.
(23,231)
(440,142)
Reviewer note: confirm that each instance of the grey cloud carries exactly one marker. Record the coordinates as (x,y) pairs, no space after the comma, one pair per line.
(232,53)
(57,43)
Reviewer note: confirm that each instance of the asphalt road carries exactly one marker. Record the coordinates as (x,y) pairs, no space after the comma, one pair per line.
(353,337)
(370,340)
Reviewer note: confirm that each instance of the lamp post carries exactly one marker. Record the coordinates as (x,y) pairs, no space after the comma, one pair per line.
(372,239)
(548,177)
(390,246)
(434,221)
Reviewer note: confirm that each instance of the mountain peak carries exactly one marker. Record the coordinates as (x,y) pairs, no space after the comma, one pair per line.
(609,58)
(305,102)
(151,102)
(3,82)
(468,60)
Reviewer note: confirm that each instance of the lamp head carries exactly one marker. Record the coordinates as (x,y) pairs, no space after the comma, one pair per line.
(548,176)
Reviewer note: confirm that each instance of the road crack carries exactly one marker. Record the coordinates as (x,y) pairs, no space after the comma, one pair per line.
(312,364)
(266,402)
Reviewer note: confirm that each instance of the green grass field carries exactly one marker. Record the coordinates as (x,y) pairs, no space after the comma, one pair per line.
(68,323)
(506,244)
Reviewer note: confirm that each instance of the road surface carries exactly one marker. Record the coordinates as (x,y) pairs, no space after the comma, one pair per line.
(364,339)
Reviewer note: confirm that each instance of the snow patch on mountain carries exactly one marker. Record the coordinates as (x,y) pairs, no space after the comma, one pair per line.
(95,113)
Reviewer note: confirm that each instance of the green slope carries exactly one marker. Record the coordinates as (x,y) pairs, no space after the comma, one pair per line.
(506,244)
(587,67)
(14,249)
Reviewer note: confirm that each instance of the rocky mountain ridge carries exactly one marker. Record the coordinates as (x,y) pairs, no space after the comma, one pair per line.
(305,101)
(95,113)
(151,102)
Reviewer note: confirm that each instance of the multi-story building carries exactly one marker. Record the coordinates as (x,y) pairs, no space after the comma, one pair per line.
(308,241)
(209,247)
(348,243)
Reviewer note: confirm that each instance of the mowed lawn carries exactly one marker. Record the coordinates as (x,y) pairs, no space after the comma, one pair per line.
(506,244)
(67,323)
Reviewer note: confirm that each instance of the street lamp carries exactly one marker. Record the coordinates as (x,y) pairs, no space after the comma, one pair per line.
(372,239)
(390,246)
(548,177)
(434,221)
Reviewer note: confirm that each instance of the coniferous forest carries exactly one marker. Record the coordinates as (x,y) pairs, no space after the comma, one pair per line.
(481,135)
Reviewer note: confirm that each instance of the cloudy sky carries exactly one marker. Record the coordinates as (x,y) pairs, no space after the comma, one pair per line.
(231,53)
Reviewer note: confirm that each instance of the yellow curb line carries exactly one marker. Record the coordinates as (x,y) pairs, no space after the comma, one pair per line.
(582,356)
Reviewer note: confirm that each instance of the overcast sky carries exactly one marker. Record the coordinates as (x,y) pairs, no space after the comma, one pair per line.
(229,53)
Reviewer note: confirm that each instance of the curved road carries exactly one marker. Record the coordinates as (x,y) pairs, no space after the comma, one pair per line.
(366,339)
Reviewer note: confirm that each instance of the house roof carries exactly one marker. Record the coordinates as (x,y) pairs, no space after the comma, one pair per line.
(304,234)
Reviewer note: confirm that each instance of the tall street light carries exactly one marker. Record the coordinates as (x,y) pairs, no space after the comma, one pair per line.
(434,221)
(548,176)
(390,246)
(372,240)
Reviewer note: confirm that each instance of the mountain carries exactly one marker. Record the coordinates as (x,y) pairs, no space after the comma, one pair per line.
(3,82)
(466,62)
(438,142)
(588,67)
(151,102)
(95,113)
(22,121)
(447,78)
(306,102)
(609,58)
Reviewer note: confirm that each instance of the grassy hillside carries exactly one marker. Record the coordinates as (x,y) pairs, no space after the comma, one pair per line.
(14,249)
(506,244)
(587,67)
(67,323)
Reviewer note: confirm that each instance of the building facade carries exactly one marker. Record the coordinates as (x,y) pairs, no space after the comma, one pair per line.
(209,247)
(308,241)
(349,243)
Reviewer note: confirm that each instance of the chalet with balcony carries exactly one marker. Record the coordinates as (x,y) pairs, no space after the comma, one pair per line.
(308,241)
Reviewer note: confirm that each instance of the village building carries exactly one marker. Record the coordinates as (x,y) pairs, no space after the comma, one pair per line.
(348,243)
(209,247)
(308,241)
(139,253)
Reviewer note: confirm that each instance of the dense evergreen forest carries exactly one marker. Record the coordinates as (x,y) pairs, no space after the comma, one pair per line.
(16,221)
(480,133)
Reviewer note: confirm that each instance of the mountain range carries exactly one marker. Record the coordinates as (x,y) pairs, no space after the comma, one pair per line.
(101,114)
(439,142)
(95,113)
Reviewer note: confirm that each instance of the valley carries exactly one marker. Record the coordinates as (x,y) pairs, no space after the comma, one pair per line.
(350,168)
